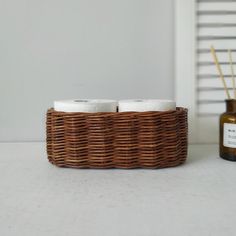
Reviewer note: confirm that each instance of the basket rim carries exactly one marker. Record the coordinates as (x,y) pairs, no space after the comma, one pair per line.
(178,110)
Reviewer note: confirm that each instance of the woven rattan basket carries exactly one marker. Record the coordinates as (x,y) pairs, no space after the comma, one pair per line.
(117,140)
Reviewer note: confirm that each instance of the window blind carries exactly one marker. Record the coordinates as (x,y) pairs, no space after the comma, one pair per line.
(215,25)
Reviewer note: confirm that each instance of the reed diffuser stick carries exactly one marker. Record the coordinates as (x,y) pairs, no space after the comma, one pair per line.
(232,72)
(220,71)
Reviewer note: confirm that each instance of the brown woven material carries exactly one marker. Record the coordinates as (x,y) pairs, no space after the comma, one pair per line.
(117,140)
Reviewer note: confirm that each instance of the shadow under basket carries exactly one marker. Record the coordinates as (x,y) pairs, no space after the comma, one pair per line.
(117,140)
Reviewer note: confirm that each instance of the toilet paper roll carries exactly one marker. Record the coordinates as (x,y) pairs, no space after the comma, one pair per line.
(146,105)
(86,105)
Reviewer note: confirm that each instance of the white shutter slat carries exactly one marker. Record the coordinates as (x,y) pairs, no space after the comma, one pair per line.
(219,44)
(211,108)
(207,57)
(220,31)
(212,95)
(211,69)
(213,83)
(216,6)
(216,19)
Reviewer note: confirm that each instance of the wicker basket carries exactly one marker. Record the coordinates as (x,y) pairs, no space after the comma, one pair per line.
(117,140)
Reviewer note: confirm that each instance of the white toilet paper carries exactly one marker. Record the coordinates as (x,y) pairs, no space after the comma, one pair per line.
(86,105)
(146,105)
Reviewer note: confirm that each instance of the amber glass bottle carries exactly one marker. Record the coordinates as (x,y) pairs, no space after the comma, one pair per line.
(228,131)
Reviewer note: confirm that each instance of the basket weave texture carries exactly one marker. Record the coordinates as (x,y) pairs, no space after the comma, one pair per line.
(117,140)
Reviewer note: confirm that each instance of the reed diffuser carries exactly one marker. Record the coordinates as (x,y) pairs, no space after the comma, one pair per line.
(227,147)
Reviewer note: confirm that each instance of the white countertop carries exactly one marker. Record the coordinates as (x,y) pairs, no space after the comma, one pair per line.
(37,198)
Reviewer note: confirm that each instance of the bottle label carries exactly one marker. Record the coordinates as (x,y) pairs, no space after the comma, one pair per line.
(230,135)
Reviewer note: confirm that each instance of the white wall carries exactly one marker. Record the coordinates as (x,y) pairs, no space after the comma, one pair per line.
(62,49)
